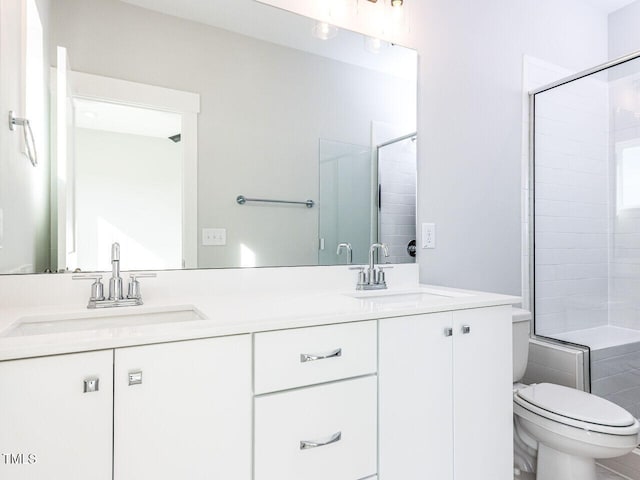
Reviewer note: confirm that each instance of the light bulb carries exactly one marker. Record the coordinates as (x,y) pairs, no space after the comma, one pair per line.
(324,31)
(397,3)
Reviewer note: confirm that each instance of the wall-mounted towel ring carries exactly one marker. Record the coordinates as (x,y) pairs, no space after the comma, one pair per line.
(27,132)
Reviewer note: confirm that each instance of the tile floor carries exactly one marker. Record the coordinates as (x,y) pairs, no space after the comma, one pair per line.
(603,474)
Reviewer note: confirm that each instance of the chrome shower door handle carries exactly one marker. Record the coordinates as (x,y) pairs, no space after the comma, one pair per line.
(309,444)
(309,357)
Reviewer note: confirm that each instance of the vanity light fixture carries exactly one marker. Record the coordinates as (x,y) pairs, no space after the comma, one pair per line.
(324,30)
(394,3)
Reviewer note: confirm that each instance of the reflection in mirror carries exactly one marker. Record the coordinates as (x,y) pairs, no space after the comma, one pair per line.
(345,201)
(397,173)
(128,167)
(163,113)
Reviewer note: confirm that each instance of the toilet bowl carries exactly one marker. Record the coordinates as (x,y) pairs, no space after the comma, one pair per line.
(566,429)
(572,429)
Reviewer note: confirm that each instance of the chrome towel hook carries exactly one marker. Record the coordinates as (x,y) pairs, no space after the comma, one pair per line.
(27,132)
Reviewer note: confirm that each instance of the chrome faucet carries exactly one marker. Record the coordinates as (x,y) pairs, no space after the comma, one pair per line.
(116,291)
(373,278)
(349,252)
(115,283)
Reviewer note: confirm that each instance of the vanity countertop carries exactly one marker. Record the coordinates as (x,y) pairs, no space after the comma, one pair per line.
(231,315)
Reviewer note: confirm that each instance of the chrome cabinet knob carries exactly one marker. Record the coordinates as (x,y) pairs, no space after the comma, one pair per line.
(448,332)
(466,329)
(135,378)
(91,385)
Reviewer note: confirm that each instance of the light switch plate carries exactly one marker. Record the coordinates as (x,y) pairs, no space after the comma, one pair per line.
(428,235)
(214,236)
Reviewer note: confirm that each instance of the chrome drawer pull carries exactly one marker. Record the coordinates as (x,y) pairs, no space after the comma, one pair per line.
(307,444)
(308,357)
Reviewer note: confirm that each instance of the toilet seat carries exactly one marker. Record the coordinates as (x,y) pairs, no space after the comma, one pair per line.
(577,409)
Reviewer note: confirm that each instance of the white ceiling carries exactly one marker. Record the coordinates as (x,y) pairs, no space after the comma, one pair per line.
(608,6)
(264,22)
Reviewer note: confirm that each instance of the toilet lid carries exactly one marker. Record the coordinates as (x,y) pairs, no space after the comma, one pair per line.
(577,405)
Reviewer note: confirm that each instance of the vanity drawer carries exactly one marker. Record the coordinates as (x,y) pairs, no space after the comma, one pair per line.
(306,356)
(291,428)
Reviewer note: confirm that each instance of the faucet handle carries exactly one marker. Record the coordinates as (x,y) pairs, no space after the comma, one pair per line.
(133,276)
(97,288)
(134,285)
(362,277)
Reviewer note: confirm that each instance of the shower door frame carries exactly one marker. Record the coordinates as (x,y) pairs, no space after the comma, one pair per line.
(532,206)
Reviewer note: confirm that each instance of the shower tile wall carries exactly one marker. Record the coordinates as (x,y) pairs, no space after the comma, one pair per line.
(572,201)
(397,171)
(625,245)
(615,375)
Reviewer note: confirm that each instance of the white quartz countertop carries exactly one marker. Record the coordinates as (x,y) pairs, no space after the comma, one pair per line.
(229,314)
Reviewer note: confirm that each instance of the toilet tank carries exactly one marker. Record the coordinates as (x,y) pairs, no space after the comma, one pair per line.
(521,332)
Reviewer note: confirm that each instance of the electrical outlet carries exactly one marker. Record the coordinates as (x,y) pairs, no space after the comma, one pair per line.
(214,236)
(428,235)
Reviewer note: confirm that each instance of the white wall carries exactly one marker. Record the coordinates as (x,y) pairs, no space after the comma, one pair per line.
(251,142)
(624,34)
(128,190)
(24,190)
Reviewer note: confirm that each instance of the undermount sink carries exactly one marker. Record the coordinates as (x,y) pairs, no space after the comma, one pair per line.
(50,324)
(421,295)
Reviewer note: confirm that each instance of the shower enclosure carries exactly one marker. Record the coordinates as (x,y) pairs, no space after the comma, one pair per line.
(585,218)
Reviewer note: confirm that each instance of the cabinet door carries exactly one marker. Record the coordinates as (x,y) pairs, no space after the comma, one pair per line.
(184,410)
(415,398)
(483,399)
(50,428)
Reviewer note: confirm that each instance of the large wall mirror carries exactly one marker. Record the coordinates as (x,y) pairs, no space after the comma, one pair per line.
(208,134)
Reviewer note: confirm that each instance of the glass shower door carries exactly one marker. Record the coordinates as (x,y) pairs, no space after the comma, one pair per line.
(345,211)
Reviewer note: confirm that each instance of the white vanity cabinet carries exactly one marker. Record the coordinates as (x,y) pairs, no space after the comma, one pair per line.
(445,396)
(183,410)
(56,417)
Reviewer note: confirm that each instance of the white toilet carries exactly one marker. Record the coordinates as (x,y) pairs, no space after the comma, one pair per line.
(567,428)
